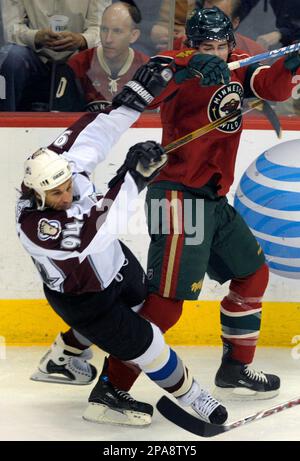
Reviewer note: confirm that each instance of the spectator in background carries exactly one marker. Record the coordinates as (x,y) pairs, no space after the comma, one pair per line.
(9,13)
(248,5)
(1,29)
(160,31)
(35,46)
(155,23)
(102,71)
(149,13)
(234,10)
(287,31)
(287,14)
(287,21)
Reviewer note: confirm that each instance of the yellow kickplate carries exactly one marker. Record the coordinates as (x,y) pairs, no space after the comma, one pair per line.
(33,322)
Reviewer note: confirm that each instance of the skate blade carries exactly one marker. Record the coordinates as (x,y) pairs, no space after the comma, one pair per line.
(227,394)
(55,379)
(98,413)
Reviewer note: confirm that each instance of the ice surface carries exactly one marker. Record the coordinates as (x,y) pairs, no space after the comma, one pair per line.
(42,411)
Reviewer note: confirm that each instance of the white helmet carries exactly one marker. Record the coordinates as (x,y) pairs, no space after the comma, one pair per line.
(45,170)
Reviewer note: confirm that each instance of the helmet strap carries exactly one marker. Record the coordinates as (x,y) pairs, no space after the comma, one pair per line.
(40,197)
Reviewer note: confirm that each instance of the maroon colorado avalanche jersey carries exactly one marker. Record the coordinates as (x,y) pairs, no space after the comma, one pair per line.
(77,251)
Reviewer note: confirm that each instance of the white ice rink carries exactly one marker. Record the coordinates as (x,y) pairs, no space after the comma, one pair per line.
(48,412)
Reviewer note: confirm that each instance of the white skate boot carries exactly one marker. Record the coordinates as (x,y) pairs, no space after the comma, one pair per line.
(208,408)
(65,365)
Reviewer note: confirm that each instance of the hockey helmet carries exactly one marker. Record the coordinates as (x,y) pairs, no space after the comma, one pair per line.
(209,24)
(45,170)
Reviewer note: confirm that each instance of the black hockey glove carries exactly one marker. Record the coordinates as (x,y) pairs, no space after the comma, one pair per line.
(292,62)
(147,83)
(144,160)
(211,70)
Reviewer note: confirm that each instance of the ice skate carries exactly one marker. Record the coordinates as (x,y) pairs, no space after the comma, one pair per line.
(108,404)
(237,381)
(64,364)
(206,407)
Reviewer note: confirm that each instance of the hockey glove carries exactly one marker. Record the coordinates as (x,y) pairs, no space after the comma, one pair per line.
(292,62)
(144,160)
(211,70)
(147,83)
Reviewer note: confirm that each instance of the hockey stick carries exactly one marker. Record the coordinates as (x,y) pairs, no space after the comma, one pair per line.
(181,418)
(263,56)
(269,112)
(259,104)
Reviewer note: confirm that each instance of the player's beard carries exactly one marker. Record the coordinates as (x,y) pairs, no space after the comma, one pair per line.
(61,207)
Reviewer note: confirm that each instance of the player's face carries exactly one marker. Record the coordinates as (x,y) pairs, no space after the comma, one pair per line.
(60,198)
(216,48)
(117,33)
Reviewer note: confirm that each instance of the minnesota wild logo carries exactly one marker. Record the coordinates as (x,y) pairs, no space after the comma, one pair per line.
(225,100)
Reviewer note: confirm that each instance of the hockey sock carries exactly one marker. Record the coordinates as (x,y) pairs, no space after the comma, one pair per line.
(74,339)
(164,313)
(241,316)
(163,366)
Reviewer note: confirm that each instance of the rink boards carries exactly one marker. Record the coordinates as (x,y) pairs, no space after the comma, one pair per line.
(25,316)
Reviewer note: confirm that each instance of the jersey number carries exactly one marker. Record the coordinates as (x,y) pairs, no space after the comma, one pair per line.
(50,274)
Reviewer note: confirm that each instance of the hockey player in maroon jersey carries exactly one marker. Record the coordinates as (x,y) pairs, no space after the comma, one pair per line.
(203,170)
(90,278)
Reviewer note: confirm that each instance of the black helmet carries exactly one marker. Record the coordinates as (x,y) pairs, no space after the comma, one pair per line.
(209,24)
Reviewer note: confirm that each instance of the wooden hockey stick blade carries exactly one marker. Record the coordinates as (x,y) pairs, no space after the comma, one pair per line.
(181,418)
(211,126)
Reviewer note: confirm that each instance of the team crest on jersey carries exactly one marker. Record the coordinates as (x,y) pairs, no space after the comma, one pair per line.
(225,100)
(48,229)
